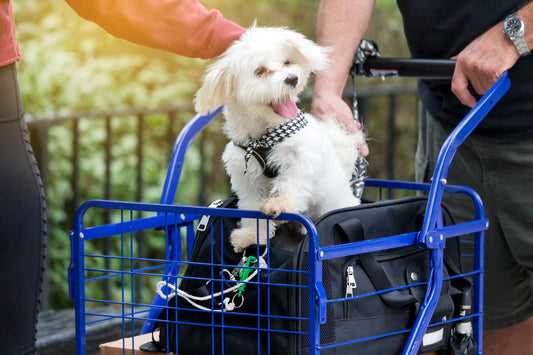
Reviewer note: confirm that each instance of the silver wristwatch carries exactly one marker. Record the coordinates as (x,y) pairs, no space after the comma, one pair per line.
(513,27)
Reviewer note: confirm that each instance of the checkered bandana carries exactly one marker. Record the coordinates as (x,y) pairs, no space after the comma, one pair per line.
(275,135)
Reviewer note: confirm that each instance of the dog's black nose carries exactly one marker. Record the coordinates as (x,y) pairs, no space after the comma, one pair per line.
(291,80)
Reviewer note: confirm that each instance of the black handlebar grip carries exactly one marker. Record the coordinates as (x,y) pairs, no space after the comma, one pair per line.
(410,67)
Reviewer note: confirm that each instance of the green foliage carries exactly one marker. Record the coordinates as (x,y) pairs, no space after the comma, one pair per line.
(70,65)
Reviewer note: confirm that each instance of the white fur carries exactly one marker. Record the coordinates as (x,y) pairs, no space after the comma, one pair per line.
(314,165)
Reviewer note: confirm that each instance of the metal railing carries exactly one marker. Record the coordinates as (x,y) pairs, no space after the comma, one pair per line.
(39,127)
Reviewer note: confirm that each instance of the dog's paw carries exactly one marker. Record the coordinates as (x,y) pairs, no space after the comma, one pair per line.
(276,206)
(242,238)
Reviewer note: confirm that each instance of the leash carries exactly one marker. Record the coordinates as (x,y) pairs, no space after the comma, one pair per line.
(365,50)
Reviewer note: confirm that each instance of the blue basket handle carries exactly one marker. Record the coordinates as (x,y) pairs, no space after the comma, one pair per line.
(433,215)
(183,142)
(447,152)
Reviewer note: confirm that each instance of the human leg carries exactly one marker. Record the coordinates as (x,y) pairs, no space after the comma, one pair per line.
(510,185)
(500,174)
(509,340)
(22,224)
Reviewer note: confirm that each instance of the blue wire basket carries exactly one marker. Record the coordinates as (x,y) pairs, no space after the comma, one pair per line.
(135,310)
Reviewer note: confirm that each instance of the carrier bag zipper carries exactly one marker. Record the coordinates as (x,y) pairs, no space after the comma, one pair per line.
(350,282)
(202,225)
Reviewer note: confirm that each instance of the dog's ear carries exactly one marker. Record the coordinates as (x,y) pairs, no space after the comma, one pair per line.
(217,87)
(315,56)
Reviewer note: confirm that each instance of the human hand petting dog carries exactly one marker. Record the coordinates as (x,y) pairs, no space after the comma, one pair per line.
(327,105)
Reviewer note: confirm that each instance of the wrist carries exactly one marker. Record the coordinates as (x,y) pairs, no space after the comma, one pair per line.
(324,97)
(514,29)
(526,14)
(329,84)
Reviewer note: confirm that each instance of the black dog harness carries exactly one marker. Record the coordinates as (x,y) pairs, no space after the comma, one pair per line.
(261,147)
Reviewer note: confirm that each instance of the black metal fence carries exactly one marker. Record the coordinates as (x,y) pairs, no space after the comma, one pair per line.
(40,127)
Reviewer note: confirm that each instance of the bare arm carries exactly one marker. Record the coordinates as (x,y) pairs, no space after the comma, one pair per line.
(340,25)
(484,60)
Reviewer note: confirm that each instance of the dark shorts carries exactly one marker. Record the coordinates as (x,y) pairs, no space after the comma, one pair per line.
(502,174)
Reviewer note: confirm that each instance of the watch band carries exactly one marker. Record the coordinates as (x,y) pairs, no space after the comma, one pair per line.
(514,29)
(521,45)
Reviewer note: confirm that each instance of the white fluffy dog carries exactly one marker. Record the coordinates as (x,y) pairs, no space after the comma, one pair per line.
(278,159)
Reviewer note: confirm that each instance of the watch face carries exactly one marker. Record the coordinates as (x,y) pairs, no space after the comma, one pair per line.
(513,26)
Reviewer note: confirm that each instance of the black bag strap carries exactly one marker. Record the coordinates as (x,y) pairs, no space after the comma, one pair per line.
(394,299)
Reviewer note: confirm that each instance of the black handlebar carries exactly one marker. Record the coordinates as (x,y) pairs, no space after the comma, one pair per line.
(410,67)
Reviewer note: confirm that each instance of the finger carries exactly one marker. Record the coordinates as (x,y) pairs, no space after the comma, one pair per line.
(352,126)
(363,150)
(460,88)
(482,78)
(487,81)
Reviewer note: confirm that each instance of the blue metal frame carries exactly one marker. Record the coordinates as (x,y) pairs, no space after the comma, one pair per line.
(167,217)
(182,145)
(432,235)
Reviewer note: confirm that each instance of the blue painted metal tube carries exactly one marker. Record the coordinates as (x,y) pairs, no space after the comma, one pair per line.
(182,145)
(367,246)
(433,208)
(159,221)
(449,148)
(76,268)
(315,284)
(478,285)
(479,252)
(183,142)
(430,302)
(171,269)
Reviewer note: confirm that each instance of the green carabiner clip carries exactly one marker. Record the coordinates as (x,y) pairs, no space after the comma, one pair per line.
(245,272)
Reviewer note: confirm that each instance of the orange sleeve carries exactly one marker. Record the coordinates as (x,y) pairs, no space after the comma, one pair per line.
(184,27)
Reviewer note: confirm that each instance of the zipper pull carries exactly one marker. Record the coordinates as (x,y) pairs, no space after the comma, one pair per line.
(202,224)
(350,282)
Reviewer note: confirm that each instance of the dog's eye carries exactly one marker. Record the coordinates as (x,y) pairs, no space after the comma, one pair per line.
(260,71)
(288,62)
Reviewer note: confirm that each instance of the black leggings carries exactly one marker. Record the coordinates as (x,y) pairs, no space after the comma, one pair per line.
(22,224)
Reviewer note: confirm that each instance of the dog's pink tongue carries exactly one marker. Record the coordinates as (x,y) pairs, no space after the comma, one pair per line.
(286,108)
